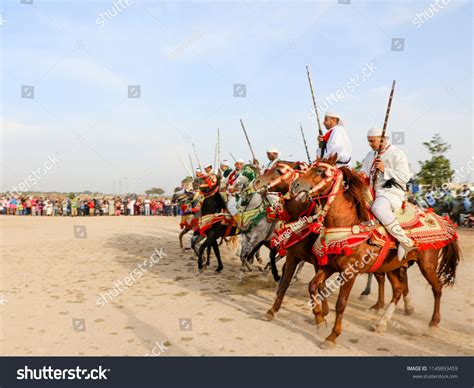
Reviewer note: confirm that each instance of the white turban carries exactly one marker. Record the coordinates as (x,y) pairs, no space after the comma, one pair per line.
(335,115)
(376,132)
(208,165)
(225,163)
(240,161)
(272,150)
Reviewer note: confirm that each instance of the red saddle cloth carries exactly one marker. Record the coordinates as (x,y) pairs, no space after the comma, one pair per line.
(427,229)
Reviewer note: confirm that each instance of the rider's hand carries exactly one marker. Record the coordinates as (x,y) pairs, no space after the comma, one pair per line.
(379,165)
(320,138)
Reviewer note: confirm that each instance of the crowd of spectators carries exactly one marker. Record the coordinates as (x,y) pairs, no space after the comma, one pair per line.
(37,205)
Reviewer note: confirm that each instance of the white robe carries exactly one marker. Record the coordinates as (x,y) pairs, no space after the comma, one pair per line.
(338,143)
(396,166)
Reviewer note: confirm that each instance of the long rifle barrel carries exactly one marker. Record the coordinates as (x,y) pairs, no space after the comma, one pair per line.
(305,144)
(248,141)
(320,130)
(384,130)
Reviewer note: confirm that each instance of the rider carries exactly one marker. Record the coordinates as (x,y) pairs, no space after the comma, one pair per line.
(225,169)
(234,188)
(335,140)
(393,171)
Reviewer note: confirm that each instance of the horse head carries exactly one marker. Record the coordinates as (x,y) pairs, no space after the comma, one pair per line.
(317,180)
(279,177)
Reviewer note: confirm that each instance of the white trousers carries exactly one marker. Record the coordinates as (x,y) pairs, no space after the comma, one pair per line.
(383,210)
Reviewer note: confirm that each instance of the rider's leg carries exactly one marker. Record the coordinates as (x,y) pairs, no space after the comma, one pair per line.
(233,210)
(382,209)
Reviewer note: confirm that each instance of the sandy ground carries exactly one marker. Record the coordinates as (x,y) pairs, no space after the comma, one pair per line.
(51,281)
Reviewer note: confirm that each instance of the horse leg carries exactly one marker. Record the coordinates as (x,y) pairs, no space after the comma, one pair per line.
(380,277)
(215,247)
(428,262)
(409,309)
(273,254)
(181,235)
(298,270)
(289,270)
(366,292)
(208,251)
(397,287)
(344,292)
(200,254)
(318,295)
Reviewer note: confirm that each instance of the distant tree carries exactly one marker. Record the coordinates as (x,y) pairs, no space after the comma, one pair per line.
(358,166)
(437,170)
(155,190)
(71,195)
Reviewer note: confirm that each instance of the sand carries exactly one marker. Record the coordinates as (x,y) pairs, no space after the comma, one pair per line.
(51,281)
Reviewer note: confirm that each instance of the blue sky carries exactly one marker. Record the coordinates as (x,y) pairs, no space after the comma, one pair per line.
(186,56)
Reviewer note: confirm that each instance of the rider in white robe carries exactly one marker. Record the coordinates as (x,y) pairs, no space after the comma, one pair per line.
(336,140)
(393,172)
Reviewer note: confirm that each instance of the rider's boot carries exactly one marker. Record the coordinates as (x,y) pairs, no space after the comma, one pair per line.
(406,244)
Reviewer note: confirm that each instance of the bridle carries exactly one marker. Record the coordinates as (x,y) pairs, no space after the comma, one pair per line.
(333,176)
(287,173)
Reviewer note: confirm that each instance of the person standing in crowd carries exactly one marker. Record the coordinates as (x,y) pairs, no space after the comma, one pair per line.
(91,206)
(111,206)
(147,206)
(74,206)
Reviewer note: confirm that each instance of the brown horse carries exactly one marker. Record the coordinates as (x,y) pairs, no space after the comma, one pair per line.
(348,208)
(278,179)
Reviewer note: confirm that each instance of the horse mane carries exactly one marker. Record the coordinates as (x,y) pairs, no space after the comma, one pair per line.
(355,192)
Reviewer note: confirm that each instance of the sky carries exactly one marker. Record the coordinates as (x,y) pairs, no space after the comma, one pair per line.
(79,129)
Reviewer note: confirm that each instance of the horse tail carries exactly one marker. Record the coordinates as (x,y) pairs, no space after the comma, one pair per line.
(450,257)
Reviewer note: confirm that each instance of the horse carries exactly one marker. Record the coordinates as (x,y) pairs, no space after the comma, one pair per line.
(341,192)
(185,200)
(213,204)
(260,230)
(278,179)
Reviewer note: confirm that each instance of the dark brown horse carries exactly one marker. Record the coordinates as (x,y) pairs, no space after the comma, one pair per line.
(348,208)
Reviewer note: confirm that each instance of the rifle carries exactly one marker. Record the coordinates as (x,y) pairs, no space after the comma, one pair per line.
(248,141)
(382,138)
(322,144)
(305,145)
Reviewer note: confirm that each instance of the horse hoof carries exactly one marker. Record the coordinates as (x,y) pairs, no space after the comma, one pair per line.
(375,309)
(321,325)
(378,328)
(219,269)
(326,345)
(269,315)
(433,328)
(409,310)
(363,297)
(277,278)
